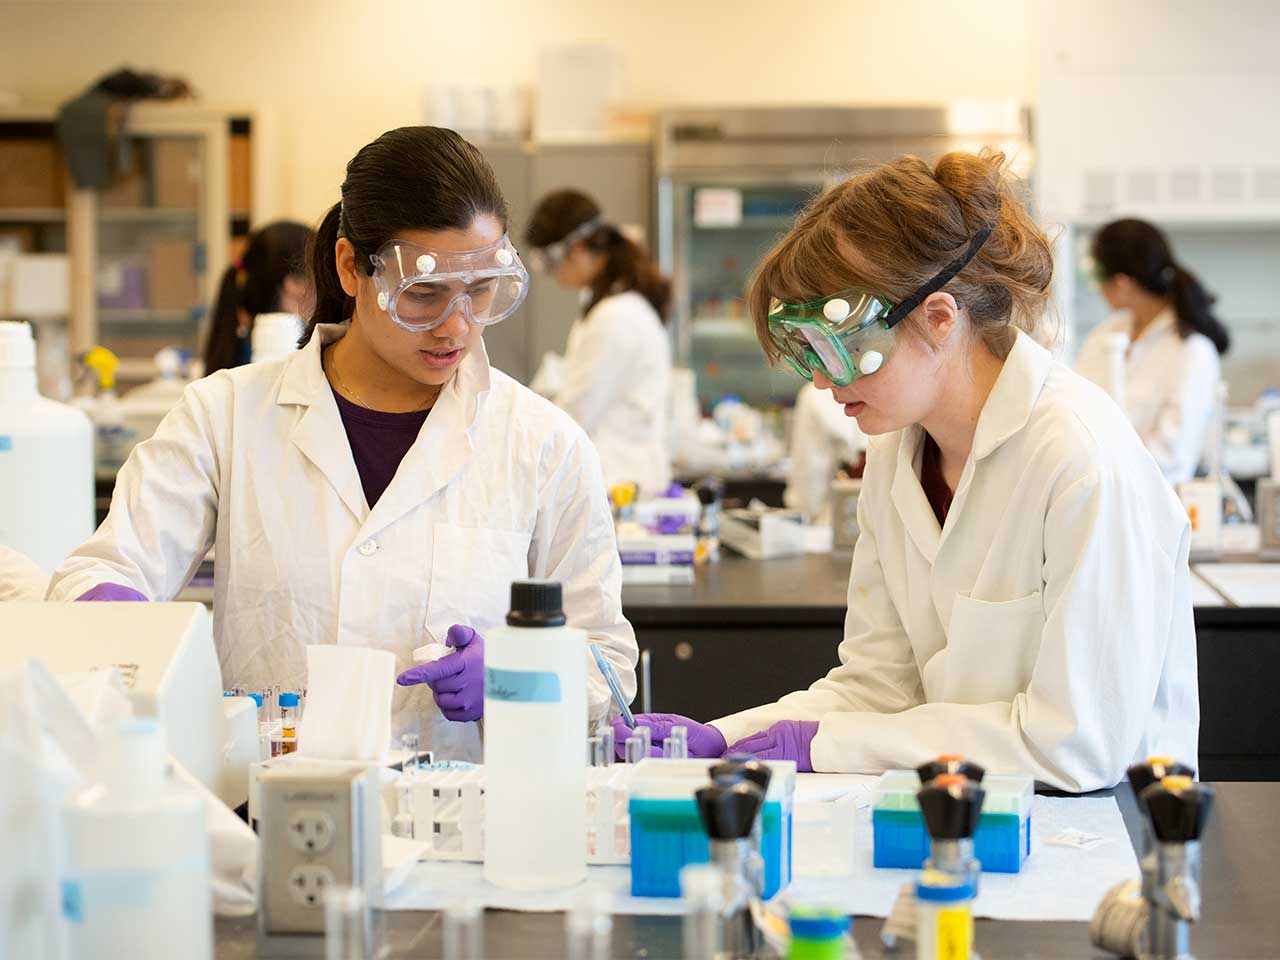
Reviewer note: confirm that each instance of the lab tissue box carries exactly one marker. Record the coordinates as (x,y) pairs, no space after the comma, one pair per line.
(764,535)
(1003,839)
(667,833)
(657,550)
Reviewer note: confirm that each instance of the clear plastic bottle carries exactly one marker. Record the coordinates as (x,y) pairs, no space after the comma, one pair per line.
(138,856)
(535,710)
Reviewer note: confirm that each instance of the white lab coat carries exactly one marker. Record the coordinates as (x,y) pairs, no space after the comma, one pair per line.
(1170,387)
(1046,629)
(821,437)
(499,486)
(617,385)
(20,578)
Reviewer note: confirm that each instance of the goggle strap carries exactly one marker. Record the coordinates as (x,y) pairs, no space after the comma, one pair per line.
(944,276)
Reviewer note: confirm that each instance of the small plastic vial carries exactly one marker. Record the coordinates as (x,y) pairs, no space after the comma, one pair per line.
(402,824)
(588,927)
(595,752)
(676,745)
(288,723)
(635,749)
(645,734)
(348,925)
(409,744)
(464,930)
(605,733)
(944,917)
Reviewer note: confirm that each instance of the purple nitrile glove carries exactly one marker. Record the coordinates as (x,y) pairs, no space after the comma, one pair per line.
(785,740)
(112,592)
(456,681)
(704,739)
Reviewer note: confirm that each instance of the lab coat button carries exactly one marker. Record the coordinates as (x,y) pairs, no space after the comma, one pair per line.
(368,548)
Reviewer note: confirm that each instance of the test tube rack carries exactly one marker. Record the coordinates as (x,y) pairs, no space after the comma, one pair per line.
(448,808)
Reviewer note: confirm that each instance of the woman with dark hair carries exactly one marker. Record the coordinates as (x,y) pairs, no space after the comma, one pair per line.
(270,277)
(383,486)
(616,377)
(1171,367)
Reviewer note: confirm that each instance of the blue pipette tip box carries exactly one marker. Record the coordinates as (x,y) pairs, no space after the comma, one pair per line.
(667,833)
(1001,844)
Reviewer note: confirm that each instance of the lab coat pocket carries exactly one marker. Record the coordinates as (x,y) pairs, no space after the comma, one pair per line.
(992,648)
(471,573)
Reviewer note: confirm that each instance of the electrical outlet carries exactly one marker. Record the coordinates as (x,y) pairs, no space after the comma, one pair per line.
(308,883)
(311,831)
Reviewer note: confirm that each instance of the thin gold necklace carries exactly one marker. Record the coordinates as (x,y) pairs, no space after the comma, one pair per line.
(342,384)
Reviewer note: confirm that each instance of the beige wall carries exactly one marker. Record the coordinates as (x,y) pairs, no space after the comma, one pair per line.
(332,74)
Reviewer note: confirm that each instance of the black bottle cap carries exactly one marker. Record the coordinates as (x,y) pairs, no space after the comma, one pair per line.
(951,805)
(728,812)
(1143,775)
(726,773)
(754,770)
(1178,808)
(536,603)
(949,764)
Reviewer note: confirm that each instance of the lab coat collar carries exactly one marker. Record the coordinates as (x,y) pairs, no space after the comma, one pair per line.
(443,446)
(1165,321)
(1009,406)
(1007,410)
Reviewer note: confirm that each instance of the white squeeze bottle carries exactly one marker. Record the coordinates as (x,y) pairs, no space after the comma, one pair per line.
(137,882)
(535,716)
(46,460)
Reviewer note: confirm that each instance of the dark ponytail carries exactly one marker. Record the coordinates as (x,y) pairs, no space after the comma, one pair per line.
(332,303)
(410,178)
(1140,251)
(1194,306)
(224,323)
(253,285)
(627,267)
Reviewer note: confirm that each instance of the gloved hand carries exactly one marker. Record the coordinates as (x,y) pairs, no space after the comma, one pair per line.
(456,681)
(785,740)
(704,739)
(111,592)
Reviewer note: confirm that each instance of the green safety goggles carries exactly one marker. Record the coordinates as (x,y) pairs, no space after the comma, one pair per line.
(851,333)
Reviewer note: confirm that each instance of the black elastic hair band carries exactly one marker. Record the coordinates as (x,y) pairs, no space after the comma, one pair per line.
(903,309)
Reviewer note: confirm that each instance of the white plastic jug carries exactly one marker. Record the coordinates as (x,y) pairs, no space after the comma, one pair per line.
(138,857)
(535,718)
(46,460)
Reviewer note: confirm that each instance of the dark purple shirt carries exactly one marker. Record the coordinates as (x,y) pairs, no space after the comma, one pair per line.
(378,442)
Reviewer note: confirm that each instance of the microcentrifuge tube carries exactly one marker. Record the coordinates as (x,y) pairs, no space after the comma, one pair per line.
(676,745)
(402,823)
(409,743)
(702,889)
(645,734)
(595,751)
(464,930)
(605,733)
(348,925)
(634,749)
(588,927)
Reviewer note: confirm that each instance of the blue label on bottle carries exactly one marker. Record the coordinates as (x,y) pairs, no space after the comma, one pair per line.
(6,443)
(72,902)
(521,686)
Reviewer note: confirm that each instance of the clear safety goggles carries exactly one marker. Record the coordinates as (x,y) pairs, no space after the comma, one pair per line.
(851,334)
(844,335)
(548,259)
(420,287)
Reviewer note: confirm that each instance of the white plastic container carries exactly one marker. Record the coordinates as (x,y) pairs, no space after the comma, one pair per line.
(535,715)
(275,335)
(46,460)
(138,857)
